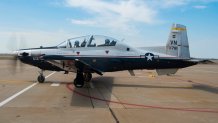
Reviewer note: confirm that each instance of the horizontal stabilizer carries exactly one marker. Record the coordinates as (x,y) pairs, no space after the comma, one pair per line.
(157,49)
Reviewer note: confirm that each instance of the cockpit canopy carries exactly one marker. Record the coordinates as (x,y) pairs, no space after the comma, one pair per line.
(88,41)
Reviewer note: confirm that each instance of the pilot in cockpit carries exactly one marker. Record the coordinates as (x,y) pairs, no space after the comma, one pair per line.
(76,44)
(113,43)
(107,42)
(83,44)
(90,42)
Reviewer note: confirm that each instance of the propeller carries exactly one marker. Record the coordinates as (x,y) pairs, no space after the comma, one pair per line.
(14,60)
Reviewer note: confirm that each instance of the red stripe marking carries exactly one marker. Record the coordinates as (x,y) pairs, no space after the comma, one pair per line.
(70,87)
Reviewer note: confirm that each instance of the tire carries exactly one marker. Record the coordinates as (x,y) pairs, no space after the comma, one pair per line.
(41,79)
(79,81)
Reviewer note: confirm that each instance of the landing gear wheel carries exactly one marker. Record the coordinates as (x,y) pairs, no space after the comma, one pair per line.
(79,80)
(41,79)
(78,84)
(87,77)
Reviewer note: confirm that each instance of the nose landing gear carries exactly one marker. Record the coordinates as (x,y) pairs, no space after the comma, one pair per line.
(41,77)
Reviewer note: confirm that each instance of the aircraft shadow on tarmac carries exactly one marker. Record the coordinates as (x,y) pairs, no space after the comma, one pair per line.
(104,85)
(108,82)
(207,88)
(194,86)
(101,90)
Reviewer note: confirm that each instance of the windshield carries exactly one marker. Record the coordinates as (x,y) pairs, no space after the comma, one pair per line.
(62,44)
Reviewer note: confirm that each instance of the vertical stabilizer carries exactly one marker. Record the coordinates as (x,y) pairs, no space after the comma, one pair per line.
(177,44)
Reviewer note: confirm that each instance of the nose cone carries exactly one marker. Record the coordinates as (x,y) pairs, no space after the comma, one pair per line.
(23,53)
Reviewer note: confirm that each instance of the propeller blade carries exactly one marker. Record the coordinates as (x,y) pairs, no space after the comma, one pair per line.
(14,61)
(12,43)
(13,64)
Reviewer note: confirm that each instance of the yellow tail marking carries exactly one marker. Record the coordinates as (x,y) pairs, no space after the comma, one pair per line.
(181,29)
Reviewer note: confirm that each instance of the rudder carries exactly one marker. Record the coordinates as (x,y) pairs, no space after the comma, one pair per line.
(177,44)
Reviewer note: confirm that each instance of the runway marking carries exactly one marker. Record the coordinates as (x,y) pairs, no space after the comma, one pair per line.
(50,74)
(20,92)
(17,94)
(55,84)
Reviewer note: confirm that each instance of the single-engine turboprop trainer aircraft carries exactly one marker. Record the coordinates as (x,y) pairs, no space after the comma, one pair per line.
(98,54)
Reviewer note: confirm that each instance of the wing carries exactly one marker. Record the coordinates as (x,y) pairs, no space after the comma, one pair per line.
(70,63)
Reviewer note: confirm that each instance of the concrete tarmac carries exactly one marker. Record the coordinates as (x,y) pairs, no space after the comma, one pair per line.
(189,96)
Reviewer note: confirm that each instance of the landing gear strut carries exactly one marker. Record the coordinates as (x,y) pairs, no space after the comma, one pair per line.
(41,77)
(87,77)
(82,78)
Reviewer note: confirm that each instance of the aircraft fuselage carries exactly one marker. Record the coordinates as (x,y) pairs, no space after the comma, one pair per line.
(105,59)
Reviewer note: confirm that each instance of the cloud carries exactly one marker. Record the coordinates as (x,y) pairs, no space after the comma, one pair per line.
(109,12)
(119,16)
(175,3)
(124,16)
(125,12)
(83,22)
(170,3)
(200,7)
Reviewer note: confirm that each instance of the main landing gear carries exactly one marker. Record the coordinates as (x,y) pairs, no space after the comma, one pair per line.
(81,78)
(41,77)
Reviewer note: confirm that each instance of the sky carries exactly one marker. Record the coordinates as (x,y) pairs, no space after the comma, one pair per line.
(34,23)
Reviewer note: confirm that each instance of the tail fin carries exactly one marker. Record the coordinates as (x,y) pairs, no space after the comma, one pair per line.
(177,44)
